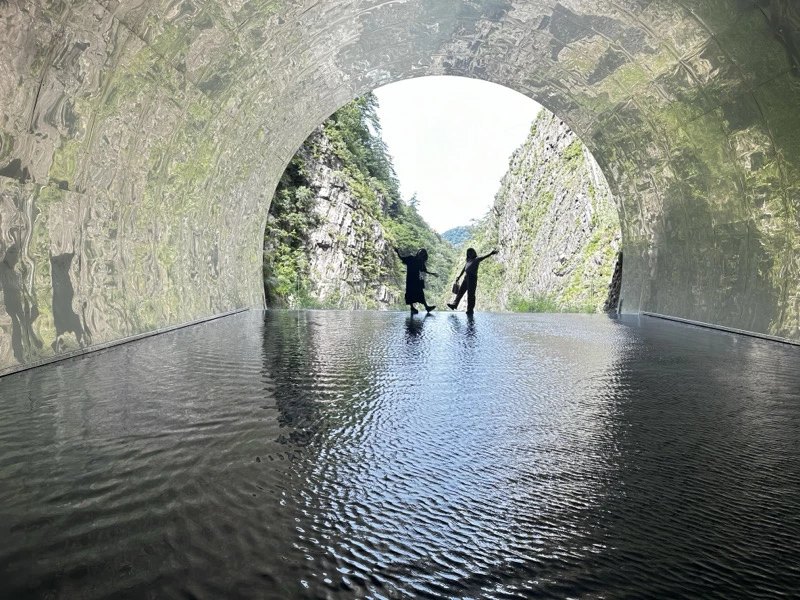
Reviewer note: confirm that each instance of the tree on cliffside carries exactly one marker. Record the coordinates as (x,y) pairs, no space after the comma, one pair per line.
(344,163)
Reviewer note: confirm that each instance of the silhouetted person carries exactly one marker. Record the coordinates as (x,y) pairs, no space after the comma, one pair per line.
(470,283)
(415,281)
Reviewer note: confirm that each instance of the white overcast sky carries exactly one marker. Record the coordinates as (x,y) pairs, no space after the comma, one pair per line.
(451,138)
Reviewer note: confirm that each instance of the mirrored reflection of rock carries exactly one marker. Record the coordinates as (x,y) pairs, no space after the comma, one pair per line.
(65,319)
(145,139)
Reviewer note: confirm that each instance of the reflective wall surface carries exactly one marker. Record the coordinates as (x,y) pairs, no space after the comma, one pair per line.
(140,142)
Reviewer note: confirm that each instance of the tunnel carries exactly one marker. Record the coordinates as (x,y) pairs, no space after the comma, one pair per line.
(141,141)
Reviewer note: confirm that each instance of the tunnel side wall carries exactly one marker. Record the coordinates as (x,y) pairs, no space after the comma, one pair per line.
(140,142)
(129,200)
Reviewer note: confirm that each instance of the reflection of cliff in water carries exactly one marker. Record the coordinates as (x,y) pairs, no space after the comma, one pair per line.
(287,360)
(19,306)
(300,351)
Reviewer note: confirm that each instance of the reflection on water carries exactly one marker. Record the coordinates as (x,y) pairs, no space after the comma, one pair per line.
(327,454)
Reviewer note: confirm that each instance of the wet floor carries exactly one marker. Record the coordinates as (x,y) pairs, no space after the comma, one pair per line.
(341,455)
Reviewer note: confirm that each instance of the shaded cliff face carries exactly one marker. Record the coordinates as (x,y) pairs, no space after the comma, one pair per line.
(336,217)
(555,225)
(340,252)
(350,254)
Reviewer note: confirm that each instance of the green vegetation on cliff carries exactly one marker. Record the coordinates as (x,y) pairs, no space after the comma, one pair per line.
(555,225)
(291,218)
(344,172)
(458,235)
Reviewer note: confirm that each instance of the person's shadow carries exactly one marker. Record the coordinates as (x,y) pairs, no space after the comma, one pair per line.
(414,327)
(64,318)
(18,306)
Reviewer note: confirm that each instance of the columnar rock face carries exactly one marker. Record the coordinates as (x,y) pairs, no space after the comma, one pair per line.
(345,232)
(348,254)
(554,223)
(140,141)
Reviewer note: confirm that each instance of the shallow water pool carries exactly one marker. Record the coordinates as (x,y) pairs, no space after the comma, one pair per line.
(365,454)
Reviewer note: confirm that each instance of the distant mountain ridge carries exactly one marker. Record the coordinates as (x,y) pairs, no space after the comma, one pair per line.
(458,235)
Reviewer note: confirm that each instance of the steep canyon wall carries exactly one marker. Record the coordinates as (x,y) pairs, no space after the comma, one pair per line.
(339,255)
(336,218)
(555,224)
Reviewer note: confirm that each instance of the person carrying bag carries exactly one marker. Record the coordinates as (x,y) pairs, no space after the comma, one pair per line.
(470,283)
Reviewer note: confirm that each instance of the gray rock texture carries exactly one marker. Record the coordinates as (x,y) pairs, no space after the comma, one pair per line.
(554,223)
(349,257)
(145,138)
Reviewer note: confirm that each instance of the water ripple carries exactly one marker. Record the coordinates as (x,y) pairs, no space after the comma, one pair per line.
(340,455)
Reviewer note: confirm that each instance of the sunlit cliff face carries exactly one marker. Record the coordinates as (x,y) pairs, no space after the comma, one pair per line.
(140,141)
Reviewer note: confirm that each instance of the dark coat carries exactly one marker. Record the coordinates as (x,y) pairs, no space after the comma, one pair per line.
(415,284)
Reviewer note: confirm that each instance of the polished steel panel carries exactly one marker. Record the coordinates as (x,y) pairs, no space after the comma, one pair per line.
(140,141)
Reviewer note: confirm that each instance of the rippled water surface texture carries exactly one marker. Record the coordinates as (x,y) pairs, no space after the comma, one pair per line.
(341,455)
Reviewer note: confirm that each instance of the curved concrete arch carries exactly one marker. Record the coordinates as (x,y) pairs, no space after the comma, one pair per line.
(140,141)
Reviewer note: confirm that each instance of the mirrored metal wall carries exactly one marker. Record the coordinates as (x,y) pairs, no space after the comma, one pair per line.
(140,142)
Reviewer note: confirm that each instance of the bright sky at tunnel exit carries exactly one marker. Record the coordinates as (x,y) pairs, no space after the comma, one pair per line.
(451,139)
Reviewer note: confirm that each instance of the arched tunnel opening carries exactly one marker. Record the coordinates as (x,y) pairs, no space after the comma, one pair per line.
(522,184)
(307,453)
(147,143)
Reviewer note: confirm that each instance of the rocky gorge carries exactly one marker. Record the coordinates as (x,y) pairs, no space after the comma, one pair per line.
(555,225)
(337,213)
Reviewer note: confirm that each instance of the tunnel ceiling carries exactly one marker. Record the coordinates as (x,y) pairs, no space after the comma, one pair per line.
(140,142)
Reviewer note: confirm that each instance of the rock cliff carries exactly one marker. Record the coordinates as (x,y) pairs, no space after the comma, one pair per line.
(344,254)
(555,225)
(335,218)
